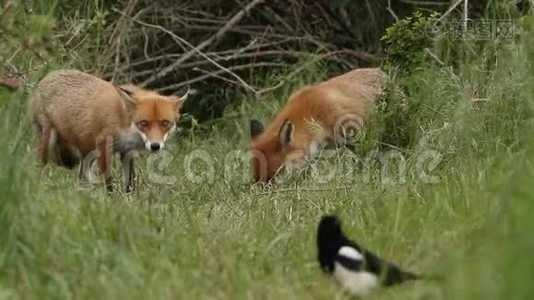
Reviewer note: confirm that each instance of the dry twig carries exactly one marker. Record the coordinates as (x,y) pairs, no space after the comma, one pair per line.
(446,13)
(390,10)
(194,49)
(214,74)
(234,20)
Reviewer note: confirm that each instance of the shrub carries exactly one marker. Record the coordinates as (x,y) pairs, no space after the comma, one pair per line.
(406,40)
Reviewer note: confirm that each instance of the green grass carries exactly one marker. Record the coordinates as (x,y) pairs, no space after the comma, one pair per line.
(225,238)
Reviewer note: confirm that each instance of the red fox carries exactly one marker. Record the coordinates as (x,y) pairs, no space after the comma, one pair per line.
(339,108)
(80,117)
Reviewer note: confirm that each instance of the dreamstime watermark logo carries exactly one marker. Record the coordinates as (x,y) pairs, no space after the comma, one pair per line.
(317,163)
(390,167)
(157,167)
(477,29)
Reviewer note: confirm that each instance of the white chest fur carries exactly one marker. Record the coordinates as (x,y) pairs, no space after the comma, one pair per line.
(129,139)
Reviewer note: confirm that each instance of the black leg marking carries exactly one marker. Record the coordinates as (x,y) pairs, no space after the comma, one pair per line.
(128,170)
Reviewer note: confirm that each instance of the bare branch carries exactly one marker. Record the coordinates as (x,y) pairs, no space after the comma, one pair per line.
(217,54)
(434,56)
(367,57)
(393,14)
(228,58)
(194,49)
(428,3)
(445,14)
(214,74)
(234,20)
(466,14)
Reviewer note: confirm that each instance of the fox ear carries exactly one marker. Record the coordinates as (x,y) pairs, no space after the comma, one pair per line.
(126,94)
(256,128)
(286,133)
(181,95)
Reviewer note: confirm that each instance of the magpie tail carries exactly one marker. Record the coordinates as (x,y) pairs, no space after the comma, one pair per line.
(412,276)
(397,276)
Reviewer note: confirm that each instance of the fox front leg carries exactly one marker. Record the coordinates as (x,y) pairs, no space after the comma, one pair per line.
(128,170)
(43,131)
(105,151)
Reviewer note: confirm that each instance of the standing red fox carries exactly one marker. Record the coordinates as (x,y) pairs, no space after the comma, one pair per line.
(339,107)
(78,116)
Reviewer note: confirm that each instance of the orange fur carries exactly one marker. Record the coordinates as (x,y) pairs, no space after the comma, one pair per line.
(333,105)
(90,115)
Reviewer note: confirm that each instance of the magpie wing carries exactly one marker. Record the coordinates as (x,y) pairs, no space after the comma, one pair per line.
(355,265)
(390,273)
(350,258)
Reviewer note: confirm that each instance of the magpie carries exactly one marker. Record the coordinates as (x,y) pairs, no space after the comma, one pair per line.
(358,270)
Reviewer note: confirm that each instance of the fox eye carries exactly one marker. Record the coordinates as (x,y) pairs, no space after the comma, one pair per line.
(143,124)
(165,123)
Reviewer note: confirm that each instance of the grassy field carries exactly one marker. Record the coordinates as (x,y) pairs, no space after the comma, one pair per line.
(461,210)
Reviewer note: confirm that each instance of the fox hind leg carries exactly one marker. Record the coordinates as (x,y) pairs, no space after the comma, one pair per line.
(43,132)
(66,155)
(66,158)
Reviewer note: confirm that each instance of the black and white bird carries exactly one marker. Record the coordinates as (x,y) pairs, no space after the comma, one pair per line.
(358,271)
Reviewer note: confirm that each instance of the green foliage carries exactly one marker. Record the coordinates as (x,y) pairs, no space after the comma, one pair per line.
(24,35)
(406,40)
(527,22)
(225,238)
(393,117)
